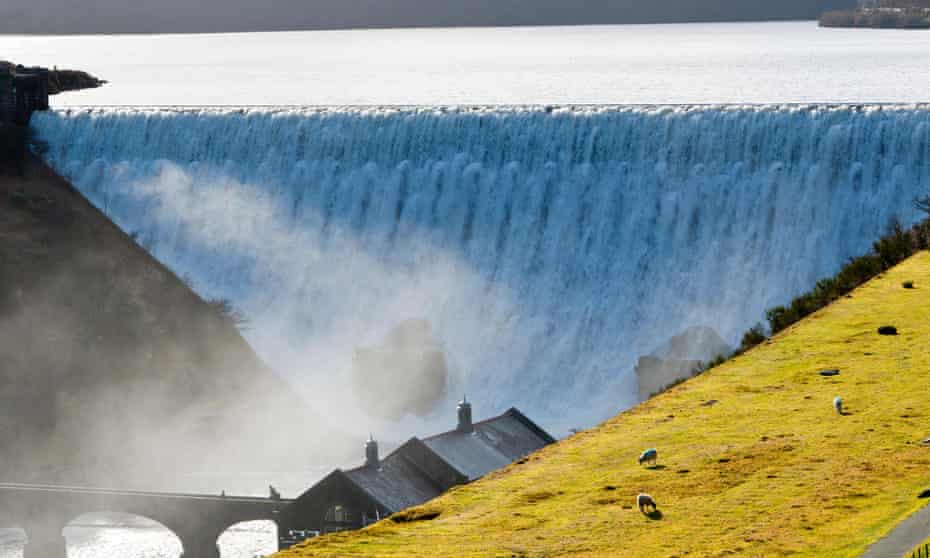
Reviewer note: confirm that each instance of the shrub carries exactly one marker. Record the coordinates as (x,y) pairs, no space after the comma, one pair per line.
(714,363)
(415,514)
(893,248)
(226,309)
(753,337)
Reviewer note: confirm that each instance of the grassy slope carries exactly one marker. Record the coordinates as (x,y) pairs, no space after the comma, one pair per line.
(769,470)
(919,547)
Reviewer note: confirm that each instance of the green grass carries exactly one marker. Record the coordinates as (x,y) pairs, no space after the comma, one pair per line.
(922,548)
(754,461)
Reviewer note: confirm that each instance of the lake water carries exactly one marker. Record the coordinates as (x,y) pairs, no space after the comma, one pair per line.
(113,536)
(649,64)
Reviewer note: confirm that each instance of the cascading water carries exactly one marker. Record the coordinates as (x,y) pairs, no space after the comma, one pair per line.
(549,248)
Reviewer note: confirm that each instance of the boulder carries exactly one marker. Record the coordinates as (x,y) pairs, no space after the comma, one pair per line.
(700,343)
(405,374)
(679,358)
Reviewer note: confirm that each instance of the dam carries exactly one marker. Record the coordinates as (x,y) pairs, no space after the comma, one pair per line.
(548,246)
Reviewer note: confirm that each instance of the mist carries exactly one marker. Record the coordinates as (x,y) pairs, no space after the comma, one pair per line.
(314,291)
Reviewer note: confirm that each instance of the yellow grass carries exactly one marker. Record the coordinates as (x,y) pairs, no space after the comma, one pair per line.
(921,547)
(770,469)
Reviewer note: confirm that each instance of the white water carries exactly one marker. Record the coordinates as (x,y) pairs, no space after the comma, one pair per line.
(675,64)
(549,250)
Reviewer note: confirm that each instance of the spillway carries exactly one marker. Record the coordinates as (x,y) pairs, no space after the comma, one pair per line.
(549,247)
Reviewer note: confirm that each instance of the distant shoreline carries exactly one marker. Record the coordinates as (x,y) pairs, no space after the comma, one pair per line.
(342,27)
(880,18)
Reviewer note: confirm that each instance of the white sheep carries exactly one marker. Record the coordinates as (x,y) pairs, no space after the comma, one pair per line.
(649,456)
(645,502)
(838,404)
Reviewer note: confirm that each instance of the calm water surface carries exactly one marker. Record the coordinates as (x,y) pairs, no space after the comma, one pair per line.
(689,63)
(113,536)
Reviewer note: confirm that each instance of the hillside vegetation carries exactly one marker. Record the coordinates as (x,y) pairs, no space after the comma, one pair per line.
(113,372)
(921,551)
(754,460)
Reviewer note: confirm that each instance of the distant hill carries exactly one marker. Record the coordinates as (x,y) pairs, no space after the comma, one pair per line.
(112,371)
(753,458)
(177,16)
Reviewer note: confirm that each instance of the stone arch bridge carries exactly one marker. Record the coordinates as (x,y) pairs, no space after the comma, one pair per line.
(43,511)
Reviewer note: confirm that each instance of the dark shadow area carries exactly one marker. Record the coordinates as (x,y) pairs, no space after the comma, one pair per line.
(657,468)
(655,515)
(12,149)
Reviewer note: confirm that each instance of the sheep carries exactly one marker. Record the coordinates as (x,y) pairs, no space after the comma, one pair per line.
(644,502)
(838,404)
(649,456)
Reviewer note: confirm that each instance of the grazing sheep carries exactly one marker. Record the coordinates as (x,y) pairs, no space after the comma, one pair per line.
(644,502)
(649,456)
(838,404)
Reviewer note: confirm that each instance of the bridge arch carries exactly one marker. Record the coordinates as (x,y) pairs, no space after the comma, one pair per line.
(249,538)
(124,534)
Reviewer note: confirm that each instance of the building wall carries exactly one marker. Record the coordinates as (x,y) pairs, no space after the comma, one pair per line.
(310,511)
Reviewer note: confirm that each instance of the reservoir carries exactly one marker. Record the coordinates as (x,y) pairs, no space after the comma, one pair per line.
(784,62)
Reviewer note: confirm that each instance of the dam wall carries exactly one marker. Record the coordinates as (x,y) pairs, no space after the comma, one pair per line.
(548,247)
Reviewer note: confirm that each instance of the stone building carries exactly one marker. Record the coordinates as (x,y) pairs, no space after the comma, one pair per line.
(416,472)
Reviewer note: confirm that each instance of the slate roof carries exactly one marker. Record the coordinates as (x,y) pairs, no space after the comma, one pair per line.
(421,470)
(494,444)
(397,483)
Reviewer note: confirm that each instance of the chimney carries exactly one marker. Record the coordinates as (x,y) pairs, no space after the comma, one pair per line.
(371,453)
(464,411)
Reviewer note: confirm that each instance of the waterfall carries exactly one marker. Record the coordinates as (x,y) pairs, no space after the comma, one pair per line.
(549,247)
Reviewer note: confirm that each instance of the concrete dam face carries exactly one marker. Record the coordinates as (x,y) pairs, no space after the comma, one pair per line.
(547,248)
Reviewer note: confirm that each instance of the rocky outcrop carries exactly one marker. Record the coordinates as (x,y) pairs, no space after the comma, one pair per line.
(679,358)
(405,374)
(61,81)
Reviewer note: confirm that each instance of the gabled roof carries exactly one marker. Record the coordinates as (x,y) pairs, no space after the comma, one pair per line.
(420,470)
(398,482)
(495,443)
